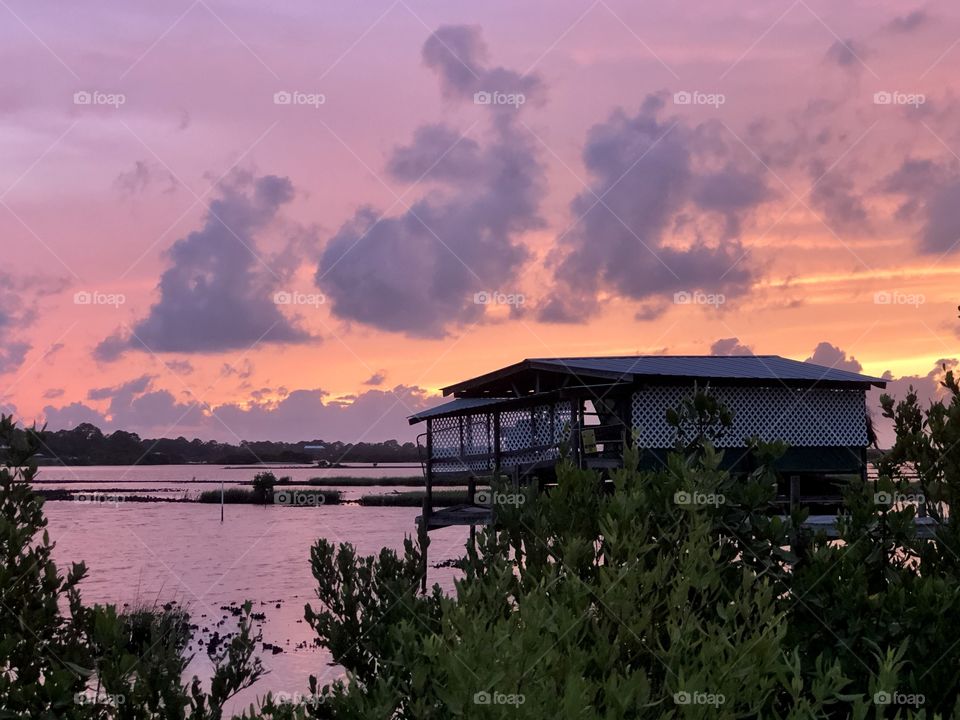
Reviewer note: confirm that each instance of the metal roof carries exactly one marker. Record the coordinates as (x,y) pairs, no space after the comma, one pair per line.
(745,368)
(453,406)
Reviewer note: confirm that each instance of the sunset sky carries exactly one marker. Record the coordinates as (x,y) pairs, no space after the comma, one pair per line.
(245,220)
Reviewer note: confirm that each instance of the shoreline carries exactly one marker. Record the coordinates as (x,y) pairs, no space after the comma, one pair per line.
(414,498)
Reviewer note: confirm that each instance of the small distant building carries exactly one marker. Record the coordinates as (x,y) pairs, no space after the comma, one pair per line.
(515,420)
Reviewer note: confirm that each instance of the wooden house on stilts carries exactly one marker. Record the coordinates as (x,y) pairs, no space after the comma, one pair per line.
(513,421)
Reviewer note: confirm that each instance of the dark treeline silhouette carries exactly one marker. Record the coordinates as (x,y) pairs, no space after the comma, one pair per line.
(86,444)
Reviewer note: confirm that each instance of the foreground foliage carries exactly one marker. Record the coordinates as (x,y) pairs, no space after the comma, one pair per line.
(675,594)
(61,659)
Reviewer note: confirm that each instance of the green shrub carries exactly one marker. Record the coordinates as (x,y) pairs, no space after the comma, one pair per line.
(292,497)
(676,595)
(231,496)
(263,483)
(61,659)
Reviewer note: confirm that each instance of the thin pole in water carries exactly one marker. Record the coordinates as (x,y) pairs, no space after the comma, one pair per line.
(221,501)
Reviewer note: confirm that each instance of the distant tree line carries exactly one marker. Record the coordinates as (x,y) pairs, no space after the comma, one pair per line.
(86,444)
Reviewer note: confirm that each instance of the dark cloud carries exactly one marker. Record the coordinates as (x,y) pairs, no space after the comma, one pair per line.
(158,413)
(928,388)
(831,356)
(180,367)
(20,296)
(418,273)
(659,189)
(835,195)
(436,153)
(53,393)
(18,311)
(136,406)
(458,54)
(915,176)
(124,391)
(941,227)
(12,355)
(916,179)
(847,53)
(931,192)
(52,351)
(377,378)
(142,176)
(218,293)
(730,346)
(909,22)
(112,347)
(730,192)
(242,369)
(69,416)
(372,416)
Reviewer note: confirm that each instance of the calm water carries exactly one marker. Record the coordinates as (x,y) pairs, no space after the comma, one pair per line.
(142,553)
(178,481)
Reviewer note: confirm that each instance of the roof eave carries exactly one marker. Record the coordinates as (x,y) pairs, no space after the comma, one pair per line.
(488,377)
(535,364)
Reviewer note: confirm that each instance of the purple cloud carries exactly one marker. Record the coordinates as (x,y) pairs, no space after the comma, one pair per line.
(419,273)
(653,183)
(218,293)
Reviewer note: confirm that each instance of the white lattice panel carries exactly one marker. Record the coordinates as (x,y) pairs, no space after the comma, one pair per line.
(801,417)
(446,437)
(563,421)
(516,430)
(466,444)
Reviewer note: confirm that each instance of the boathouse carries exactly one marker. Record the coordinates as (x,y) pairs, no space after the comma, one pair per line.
(517,420)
